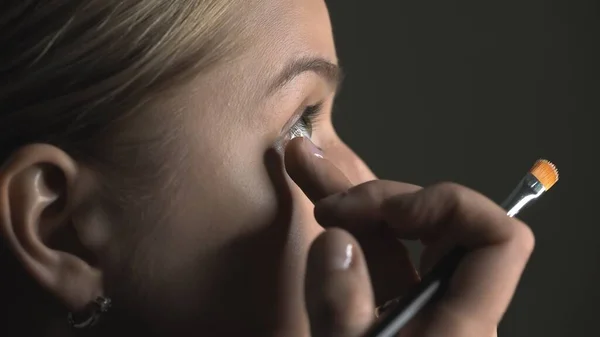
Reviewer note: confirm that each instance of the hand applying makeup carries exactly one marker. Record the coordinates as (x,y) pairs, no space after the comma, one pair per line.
(340,293)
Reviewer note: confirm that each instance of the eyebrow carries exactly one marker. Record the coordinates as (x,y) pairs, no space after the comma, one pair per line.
(329,71)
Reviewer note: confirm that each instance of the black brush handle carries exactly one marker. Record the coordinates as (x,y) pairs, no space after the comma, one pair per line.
(431,288)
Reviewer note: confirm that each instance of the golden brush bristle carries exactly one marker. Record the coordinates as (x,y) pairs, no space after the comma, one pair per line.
(545,172)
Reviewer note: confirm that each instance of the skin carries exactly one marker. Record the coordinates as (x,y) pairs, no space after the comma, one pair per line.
(220,246)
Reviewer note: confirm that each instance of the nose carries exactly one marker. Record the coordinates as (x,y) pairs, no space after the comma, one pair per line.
(342,156)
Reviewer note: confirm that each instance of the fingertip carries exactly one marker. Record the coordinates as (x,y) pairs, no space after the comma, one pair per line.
(301,148)
(293,154)
(523,239)
(311,171)
(334,249)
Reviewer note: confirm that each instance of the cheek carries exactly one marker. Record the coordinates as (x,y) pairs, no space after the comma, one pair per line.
(217,230)
(233,195)
(239,196)
(246,225)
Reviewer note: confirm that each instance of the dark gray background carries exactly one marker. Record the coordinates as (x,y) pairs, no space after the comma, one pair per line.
(475,92)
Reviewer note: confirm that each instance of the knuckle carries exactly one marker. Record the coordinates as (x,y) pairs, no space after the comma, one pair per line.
(369,191)
(523,238)
(453,192)
(450,188)
(452,195)
(460,323)
(357,311)
(343,313)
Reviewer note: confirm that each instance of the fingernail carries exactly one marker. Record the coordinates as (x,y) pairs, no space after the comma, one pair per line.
(340,254)
(312,148)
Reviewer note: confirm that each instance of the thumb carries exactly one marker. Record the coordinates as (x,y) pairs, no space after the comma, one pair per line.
(339,298)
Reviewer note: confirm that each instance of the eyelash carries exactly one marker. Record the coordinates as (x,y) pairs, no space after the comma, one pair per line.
(307,122)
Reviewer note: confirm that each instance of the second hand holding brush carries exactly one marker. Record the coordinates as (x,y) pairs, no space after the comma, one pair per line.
(542,176)
(339,296)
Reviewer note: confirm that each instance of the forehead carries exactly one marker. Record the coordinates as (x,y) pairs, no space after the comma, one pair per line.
(299,23)
(270,35)
(283,30)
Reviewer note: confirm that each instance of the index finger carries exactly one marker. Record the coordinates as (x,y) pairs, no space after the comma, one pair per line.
(314,174)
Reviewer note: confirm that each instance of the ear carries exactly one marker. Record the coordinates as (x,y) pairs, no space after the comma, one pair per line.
(41,188)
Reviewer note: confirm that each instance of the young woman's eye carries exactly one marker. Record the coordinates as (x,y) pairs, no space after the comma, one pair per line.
(306,124)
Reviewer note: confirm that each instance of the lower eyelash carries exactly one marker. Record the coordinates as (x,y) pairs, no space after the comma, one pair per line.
(299,130)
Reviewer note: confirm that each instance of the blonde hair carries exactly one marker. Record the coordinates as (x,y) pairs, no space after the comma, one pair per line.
(71,71)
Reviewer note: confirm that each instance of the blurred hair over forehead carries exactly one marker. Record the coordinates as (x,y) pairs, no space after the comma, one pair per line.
(70,69)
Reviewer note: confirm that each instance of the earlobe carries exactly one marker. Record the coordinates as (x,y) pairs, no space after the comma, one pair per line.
(38,196)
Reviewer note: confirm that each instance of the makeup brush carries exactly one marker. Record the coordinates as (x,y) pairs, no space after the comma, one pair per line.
(396,313)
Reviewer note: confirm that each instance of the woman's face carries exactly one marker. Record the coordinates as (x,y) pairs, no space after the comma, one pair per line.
(228,251)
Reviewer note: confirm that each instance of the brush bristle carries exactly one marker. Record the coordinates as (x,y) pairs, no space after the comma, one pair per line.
(545,172)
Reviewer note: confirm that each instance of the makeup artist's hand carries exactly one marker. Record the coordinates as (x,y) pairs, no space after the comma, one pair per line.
(339,296)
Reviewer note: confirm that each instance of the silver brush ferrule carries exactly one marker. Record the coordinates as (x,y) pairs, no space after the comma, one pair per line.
(528,189)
